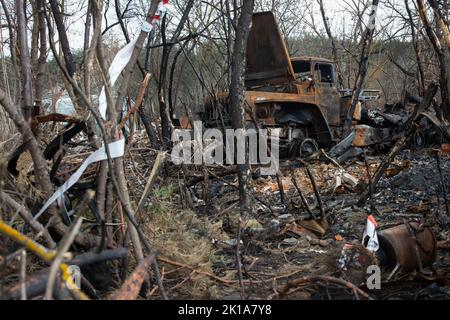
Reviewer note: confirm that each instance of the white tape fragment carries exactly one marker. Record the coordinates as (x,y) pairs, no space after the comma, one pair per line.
(117,65)
(146,27)
(116,150)
(163,7)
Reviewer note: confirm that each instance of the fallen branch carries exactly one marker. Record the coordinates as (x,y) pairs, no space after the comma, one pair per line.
(35,285)
(131,287)
(329,279)
(28,218)
(225,282)
(139,100)
(302,196)
(148,187)
(93,257)
(239,260)
(196,180)
(316,191)
(207,274)
(65,244)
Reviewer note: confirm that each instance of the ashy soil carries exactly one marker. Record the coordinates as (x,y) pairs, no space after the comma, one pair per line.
(198,228)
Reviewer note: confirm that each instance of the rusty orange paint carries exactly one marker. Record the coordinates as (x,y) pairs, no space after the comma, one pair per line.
(445,147)
(185,123)
(360,137)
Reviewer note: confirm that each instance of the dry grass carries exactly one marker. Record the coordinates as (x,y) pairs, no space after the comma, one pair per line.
(7,129)
(184,237)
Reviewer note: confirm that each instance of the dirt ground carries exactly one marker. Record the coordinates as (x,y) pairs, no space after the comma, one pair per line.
(280,243)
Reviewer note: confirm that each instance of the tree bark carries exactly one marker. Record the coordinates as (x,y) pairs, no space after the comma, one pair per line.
(416,45)
(166,123)
(237,93)
(38,61)
(63,39)
(12,49)
(25,64)
(333,43)
(443,81)
(363,66)
(443,25)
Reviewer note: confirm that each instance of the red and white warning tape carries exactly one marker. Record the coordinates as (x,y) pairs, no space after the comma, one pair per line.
(371,233)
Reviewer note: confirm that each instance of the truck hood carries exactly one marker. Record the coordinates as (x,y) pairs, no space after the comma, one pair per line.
(268,61)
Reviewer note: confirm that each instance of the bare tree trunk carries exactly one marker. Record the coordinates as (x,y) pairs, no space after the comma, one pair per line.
(38,60)
(443,81)
(237,93)
(166,123)
(333,43)
(165,119)
(12,49)
(42,60)
(441,21)
(25,64)
(134,58)
(415,40)
(146,121)
(88,51)
(63,39)
(363,66)
(40,165)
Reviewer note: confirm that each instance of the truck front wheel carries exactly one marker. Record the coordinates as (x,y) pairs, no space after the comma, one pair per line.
(302,148)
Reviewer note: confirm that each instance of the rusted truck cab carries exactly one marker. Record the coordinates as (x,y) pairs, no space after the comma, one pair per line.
(299,95)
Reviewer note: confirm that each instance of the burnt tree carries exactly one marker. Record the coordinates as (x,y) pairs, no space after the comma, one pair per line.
(333,42)
(237,97)
(363,66)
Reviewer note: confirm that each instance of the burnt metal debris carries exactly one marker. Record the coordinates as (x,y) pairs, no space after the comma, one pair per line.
(411,245)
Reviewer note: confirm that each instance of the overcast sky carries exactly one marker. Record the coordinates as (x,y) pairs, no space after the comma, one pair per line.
(336,10)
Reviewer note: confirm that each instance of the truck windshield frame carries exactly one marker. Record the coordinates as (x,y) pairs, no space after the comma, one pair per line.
(302,69)
(325,73)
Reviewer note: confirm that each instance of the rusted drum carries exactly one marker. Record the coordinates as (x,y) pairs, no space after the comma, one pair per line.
(445,147)
(397,246)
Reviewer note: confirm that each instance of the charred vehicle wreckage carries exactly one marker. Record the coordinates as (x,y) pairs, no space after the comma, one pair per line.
(301,96)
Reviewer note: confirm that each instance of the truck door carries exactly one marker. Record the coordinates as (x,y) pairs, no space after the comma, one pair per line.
(327,94)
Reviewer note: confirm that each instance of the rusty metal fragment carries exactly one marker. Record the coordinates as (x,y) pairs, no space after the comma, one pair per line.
(366,135)
(398,246)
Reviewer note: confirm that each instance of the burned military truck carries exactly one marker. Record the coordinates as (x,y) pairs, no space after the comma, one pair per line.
(299,95)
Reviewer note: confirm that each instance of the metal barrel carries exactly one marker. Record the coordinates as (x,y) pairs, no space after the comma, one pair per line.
(398,246)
